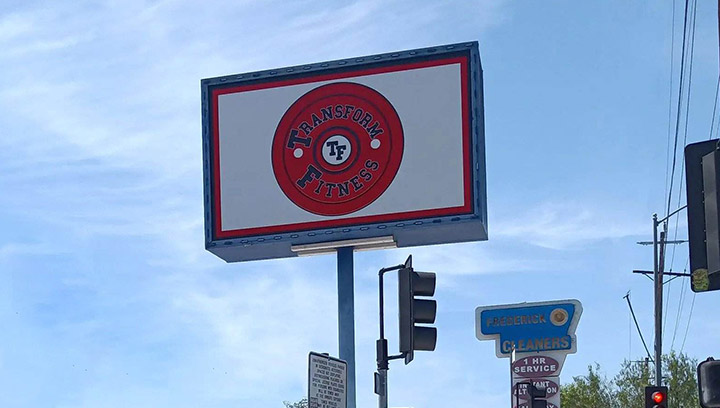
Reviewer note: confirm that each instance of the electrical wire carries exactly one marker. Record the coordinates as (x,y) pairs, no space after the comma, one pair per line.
(679,104)
(690,75)
(688,50)
(687,328)
(712,122)
(670,98)
(682,166)
(680,307)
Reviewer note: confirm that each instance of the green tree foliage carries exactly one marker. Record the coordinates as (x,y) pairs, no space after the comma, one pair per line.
(630,383)
(627,388)
(681,379)
(303,403)
(588,391)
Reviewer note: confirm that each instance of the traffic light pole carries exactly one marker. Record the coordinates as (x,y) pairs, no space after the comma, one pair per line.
(383,359)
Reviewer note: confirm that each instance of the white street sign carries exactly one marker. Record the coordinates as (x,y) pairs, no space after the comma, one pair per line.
(327,381)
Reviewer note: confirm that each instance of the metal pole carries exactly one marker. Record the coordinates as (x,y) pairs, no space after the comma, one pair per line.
(382,353)
(383,396)
(346,317)
(658,278)
(383,359)
(514,395)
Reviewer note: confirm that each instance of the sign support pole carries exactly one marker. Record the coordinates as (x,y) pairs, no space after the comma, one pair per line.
(346,317)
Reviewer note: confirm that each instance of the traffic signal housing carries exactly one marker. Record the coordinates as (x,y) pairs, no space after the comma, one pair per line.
(702,167)
(412,310)
(656,397)
(708,373)
(537,397)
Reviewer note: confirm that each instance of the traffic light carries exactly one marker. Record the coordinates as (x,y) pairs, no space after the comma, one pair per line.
(412,310)
(537,397)
(702,167)
(708,373)
(656,397)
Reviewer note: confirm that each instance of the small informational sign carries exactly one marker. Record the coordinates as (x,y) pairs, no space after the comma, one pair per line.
(535,367)
(549,384)
(529,327)
(327,381)
(521,394)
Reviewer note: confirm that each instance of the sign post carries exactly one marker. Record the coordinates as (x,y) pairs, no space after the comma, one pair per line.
(536,337)
(346,316)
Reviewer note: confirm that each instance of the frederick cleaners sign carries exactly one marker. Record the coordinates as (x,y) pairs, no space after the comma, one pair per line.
(529,327)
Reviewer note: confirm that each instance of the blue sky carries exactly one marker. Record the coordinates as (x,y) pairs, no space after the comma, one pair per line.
(108,298)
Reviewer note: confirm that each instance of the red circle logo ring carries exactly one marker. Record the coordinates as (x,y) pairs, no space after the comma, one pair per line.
(337,148)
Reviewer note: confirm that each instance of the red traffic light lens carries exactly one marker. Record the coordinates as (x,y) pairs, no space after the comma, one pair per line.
(658,397)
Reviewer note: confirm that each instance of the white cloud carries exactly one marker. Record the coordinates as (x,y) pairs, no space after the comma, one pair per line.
(15,25)
(9,251)
(464,259)
(569,225)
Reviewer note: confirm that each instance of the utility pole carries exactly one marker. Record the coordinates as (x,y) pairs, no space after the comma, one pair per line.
(658,279)
(658,272)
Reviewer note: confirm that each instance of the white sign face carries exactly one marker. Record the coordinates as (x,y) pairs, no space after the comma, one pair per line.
(384,145)
(347,168)
(327,382)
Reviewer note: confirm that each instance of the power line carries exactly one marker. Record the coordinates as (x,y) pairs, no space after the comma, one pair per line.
(679,104)
(712,122)
(690,62)
(681,302)
(687,328)
(686,57)
(670,98)
(693,19)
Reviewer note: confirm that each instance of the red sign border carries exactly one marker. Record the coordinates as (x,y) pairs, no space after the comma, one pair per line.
(466,208)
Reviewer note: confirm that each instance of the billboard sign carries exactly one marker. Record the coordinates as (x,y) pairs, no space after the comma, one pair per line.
(388,145)
(529,327)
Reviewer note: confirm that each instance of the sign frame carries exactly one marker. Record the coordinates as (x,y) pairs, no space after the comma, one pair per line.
(468,223)
(572,322)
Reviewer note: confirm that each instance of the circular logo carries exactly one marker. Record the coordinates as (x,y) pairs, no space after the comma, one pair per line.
(558,316)
(337,148)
